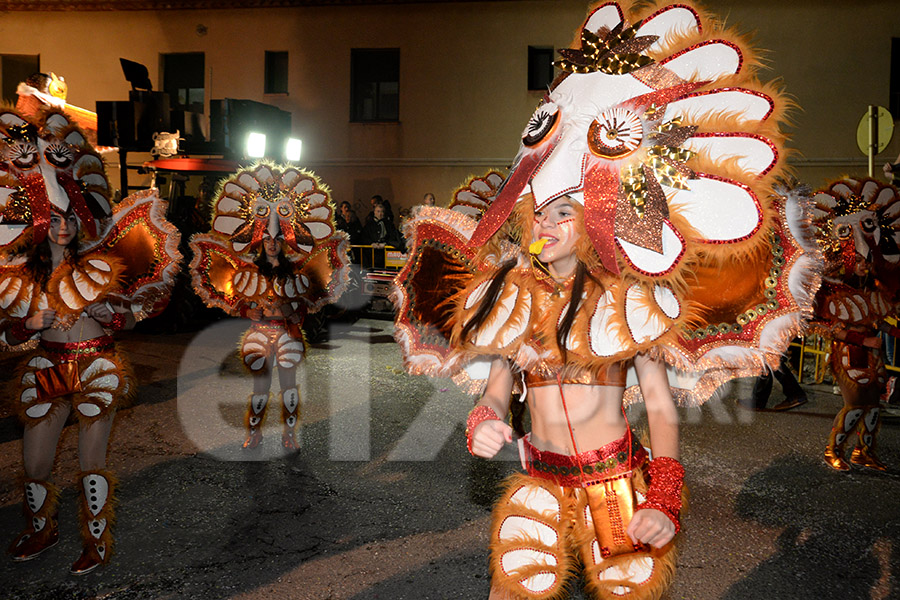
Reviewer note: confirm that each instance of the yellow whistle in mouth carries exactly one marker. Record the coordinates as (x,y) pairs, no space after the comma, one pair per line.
(537,247)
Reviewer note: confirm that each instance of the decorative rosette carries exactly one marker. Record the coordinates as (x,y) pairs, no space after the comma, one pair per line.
(47,164)
(284,202)
(661,130)
(858,227)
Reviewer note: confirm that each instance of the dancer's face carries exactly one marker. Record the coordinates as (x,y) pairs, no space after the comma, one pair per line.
(557,222)
(63,229)
(272,246)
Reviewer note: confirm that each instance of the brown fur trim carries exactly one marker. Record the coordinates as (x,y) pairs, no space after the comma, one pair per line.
(122,395)
(91,524)
(51,502)
(73,286)
(503,509)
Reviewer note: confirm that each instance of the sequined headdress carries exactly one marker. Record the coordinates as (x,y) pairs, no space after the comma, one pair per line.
(656,124)
(278,200)
(856,219)
(47,164)
(697,254)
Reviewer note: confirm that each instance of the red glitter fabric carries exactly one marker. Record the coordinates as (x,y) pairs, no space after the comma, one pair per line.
(76,350)
(40,205)
(478,415)
(562,469)
(601,193)
(78,203)
(503,204)
(117,323)
(20,332)
(664,494)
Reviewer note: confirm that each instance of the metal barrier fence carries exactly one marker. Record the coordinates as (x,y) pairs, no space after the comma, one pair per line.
(814,351)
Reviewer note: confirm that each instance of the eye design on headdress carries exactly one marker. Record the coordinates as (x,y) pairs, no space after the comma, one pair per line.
(285,209)
(868,224)
(541,124)
(23,154)
(262,209)
(59,154)
(615,133)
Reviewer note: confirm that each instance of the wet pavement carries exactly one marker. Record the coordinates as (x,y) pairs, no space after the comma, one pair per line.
(382,501)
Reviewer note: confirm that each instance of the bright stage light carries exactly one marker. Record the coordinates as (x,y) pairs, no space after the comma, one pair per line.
(256,145)
(292,151)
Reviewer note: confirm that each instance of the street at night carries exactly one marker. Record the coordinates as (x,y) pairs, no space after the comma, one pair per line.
(383,501)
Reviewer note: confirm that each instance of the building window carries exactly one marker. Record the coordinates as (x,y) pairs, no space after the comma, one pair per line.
(375,84)
(894,102)
(184,81)
(276,73)
(15,68)
(540,67)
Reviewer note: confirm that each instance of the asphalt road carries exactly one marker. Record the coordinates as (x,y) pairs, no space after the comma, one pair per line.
(383,501)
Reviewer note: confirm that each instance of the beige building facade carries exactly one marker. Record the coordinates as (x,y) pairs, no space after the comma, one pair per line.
(463,98)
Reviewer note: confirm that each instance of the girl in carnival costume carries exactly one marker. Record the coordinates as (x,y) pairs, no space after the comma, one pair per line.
(73,270)
(857,225)
(274,254)
(639,230)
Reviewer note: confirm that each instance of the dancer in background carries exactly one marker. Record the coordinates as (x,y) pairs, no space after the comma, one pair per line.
(638,229)
(273,255)
(858,223)
(74,269)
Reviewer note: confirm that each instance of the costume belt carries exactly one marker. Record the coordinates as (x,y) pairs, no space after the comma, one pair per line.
(77,350)
(270,324)
(598,464)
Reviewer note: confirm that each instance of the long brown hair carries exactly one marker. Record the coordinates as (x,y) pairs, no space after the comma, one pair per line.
(490,298)
(40,259)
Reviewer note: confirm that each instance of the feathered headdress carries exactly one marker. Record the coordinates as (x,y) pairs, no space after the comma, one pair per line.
(46,165)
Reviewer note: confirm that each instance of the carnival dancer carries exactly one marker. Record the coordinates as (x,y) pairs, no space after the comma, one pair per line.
(74,269)
(273,255)
(858,223)
(640,228)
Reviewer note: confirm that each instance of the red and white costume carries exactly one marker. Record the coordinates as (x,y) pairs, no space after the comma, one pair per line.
(660,129)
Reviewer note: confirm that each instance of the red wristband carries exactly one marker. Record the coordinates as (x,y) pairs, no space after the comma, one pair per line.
(20,332)
(666,478)
(478,415)
(117,323)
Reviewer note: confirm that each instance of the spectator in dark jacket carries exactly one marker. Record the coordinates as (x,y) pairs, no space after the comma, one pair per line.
(347,220)
(381,232)
(388,213)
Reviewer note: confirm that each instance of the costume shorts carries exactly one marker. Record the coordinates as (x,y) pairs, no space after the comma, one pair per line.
(104,377)
(542,531)
(266,342)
